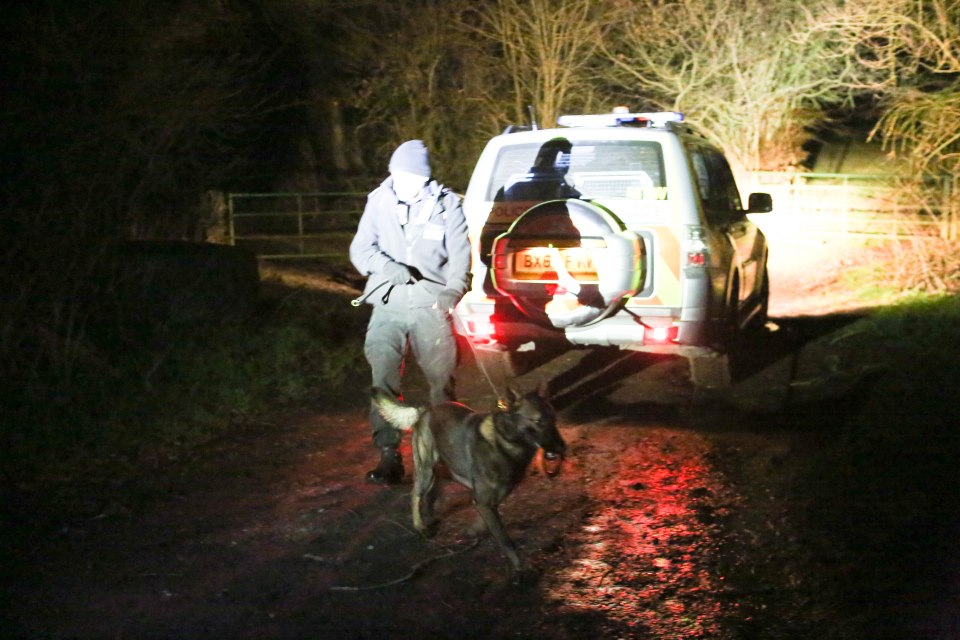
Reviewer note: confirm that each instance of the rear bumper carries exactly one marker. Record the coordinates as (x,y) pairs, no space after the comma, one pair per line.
(493,321)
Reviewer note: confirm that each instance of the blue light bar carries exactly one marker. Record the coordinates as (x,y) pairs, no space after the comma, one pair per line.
(657,119)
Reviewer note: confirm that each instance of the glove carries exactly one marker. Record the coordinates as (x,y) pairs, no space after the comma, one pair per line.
(447,300)
(397,273)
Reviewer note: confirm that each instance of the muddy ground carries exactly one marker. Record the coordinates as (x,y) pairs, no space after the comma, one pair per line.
(673,517)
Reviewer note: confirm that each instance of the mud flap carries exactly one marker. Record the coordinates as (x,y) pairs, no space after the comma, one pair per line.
(710,371)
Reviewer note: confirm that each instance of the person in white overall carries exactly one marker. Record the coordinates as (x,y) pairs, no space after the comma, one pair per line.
(412,245)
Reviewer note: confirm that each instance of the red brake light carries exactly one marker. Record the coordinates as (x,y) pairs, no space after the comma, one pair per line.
(696,259)
(481,329)
(659,334)
(695,250)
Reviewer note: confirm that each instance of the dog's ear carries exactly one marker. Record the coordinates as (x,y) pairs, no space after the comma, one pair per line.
(543,389)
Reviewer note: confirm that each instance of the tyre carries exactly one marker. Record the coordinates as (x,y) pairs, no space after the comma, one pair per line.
(568,263)
(731,335)
(759,320)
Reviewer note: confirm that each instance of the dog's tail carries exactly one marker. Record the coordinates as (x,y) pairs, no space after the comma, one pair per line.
(395,412)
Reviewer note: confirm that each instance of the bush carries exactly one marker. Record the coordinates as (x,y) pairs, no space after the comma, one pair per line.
(179,386)
(882,491)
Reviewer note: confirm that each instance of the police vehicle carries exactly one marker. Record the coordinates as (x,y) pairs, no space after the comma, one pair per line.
(623,229)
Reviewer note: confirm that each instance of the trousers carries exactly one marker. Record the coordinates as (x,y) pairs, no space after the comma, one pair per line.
(428,334)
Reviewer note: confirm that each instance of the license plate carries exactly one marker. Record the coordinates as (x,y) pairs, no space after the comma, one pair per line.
(540,263)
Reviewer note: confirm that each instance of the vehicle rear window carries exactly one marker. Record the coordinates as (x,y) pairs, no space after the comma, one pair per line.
(591,169)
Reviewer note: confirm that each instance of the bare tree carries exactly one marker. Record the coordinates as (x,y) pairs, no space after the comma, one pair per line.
(909,53)
(415,73)
(733,67)
(548,50)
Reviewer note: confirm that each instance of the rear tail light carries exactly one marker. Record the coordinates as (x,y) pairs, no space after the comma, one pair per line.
(695,249)
(481,329)
(659,334)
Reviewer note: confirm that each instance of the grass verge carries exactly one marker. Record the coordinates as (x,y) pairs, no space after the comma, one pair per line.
(883,490)
(850,528)
(147,399)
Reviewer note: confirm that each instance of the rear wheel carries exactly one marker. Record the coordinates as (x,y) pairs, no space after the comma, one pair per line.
(730,333)
(759,320)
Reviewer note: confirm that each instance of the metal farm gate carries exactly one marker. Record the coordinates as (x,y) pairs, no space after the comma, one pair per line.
(321,225)
(294,225)
(861,205)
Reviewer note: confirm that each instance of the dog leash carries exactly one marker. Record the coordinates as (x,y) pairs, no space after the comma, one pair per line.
(458,325)
(356,302)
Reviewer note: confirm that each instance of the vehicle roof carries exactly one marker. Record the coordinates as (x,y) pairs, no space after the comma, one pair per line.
(582,133)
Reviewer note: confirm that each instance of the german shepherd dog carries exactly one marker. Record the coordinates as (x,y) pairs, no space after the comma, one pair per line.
(486,452)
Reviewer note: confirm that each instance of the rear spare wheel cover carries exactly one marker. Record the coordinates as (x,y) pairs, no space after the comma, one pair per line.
(567,263)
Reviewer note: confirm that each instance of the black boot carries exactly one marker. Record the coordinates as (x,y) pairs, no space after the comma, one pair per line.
(390,468)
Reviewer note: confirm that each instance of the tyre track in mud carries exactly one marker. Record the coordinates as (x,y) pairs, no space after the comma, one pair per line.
(647,555)
(644,558)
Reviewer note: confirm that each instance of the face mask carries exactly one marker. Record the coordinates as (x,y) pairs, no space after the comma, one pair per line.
(407,185)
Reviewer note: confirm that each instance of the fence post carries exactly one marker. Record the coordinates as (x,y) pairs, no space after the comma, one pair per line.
(231,232)
(953,201)
(948,208)
(300,222)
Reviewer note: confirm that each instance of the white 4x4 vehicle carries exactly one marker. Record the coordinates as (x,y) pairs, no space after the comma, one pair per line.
(621,229)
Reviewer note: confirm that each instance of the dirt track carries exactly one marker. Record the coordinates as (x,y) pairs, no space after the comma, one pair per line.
(273,534)
(669,520)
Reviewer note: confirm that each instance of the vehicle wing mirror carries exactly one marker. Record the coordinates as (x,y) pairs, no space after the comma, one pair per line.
(760,203)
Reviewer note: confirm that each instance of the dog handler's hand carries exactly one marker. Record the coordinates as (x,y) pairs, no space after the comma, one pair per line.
(447,300)
(397,273)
